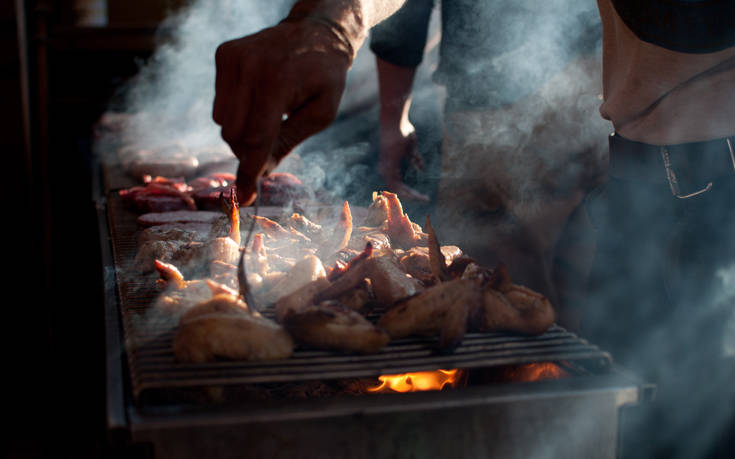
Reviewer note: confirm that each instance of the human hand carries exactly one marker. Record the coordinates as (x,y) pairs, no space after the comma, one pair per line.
(276,88)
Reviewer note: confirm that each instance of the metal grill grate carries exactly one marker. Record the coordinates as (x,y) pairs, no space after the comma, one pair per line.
(152,364)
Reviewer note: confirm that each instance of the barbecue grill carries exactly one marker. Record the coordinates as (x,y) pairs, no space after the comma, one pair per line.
(248,409)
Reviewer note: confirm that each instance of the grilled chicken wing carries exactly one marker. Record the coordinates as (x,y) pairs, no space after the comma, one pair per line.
(223,327)
(389,282)
(506,306)
(417,262)
(402,232)
(303,272)
(442,309)
(340,235)
(300,299)
(330,325)
(519,309)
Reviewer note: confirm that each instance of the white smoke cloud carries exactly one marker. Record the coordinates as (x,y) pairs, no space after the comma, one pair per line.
(172,96)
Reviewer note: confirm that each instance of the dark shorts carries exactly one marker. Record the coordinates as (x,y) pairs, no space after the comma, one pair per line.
(661,299)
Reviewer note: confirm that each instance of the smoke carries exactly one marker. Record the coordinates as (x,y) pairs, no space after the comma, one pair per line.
(171,96)
(522,135)
(726,295)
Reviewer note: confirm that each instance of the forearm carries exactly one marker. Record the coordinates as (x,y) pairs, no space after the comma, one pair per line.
(395,85)
(353,18)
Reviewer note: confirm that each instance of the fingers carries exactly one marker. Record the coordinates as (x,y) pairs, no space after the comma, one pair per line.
(225,84)
(261,77)
(246,183)
(270,139)
(315,116)
(254,145)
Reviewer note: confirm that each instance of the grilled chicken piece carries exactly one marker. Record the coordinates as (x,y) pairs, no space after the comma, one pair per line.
(232,209)
(167,251)
(303,272)
(218,287)
(257,259)
(227,249)
(374,236)
(175,301)
(330,325)
(442,309)
(518,310)
(185,232)
(459,266)
(280,263)
(191,257)
(179,216)
(401,231)
(226,273)
(360,299)
(377,212)
(507,306)
(271,278)
(180,294)
(341,267)
(300,299)
(170,275)
(389,282)
(224,328)
(417,262)
(221,249)
(272,228)
(340,235)
(225,303)
(306,227)
(437,261)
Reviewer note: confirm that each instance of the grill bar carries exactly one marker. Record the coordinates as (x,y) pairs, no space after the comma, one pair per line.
(155,367)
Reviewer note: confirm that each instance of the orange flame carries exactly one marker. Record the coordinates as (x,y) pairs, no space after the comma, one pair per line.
(419,381)
(538,372)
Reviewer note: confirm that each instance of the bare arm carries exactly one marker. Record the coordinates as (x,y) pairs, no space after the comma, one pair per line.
(356,17)
(283,84)
(397,134)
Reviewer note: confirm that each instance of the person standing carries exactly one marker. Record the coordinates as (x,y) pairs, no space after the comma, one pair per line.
(521,141)
(659,297)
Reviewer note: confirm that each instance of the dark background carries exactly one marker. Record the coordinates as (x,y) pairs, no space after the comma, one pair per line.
(57,78)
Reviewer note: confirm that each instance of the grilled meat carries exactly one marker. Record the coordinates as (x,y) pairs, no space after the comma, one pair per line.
(223,327)
(442,309)
(340,235)
(518,309)
(330,325)
(178,216)
(185,232)
(417,262)
(303,272)
(300,299)
(389,282)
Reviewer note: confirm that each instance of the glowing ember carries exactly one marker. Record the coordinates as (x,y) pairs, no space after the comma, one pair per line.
(420,381)
(538,372)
